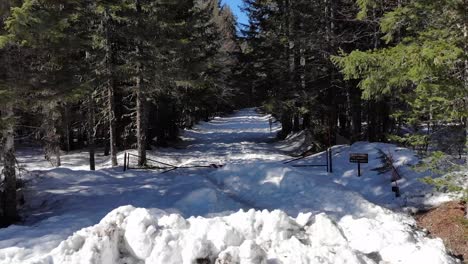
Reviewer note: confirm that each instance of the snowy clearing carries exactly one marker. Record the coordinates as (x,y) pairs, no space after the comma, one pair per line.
(299,215)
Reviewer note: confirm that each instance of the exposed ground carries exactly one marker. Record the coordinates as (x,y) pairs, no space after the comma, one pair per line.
(448,222)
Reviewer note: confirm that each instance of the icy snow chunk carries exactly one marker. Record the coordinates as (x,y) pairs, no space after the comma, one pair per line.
(140,233)
(329,244)
(244,222)
(117,216)
(251,253)
(222,236)
(275,226)
(228,256)
(166,248)
(303,219)
(326,232)
(97,244)
(364,234)
(427,251)
(173,221)
(92,245)
(196,248)
(136,236)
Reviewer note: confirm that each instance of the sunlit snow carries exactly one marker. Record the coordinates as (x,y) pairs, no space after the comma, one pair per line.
(255,209)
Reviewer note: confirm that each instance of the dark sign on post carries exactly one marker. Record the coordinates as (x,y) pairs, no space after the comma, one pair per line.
(359,158)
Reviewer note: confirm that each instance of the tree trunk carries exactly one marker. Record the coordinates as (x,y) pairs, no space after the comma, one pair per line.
(386,121)
(356,113)
(291,45)
(112,127)
(296,123)
(110,94)
(465,35)
(57,152)
(10,214)
(306,121)
(140,98)
(330,37)
(52,136)
(141,124)
(107,148)
(465,81)
(66,120)
(90,132)
(302,58)
(286,124)
(371,122)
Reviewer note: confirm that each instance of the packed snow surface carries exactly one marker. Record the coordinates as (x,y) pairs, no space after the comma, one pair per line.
(255,209)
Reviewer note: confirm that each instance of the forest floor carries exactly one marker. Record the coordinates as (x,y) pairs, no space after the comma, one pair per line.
(255,209)
(448,222)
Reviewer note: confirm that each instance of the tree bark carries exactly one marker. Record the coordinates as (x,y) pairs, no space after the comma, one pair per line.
(140,98)
(10,214)
(371,109)
(141,124)
(291,45)
(57,152)
(330,37)
(66,121)
(110,94)
(356,113)
(286,125)
(465,36)
(465,81)
(52,136)
(302,58)
(296,123)
(90,128)
(306,121)
(112,126)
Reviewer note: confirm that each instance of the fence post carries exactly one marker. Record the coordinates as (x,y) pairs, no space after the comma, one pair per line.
(125,162)
(326,159)
(128,161)
(330,154)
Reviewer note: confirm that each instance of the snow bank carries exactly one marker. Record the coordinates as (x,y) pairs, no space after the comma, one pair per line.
(341,218)
(134,235)
(275,186)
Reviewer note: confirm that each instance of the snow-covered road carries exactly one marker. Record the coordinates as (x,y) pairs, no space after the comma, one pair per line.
(341,218)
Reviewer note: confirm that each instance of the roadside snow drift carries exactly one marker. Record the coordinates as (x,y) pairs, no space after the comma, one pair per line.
(219,216)
(135,235)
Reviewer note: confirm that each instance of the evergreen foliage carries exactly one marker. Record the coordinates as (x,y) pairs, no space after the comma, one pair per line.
(119,74)
(425,63)
(137,70)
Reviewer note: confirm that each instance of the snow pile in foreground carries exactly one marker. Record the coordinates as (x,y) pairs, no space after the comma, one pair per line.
(136,235)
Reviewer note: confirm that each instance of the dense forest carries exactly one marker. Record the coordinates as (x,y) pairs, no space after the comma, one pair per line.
(112,75)
(359,69)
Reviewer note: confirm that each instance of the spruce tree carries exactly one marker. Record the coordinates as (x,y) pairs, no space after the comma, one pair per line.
(11,80)
(423,61)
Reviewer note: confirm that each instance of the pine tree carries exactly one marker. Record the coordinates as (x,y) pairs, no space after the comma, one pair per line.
(174,59)
(289,47)
(10,82)
(423,61)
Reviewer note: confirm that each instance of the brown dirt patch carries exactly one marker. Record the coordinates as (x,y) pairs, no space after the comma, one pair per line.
(447,222)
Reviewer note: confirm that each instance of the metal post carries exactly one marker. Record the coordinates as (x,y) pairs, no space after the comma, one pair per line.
(128,161)
(326,158)
(125,162)
(359,169)
(330,153)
